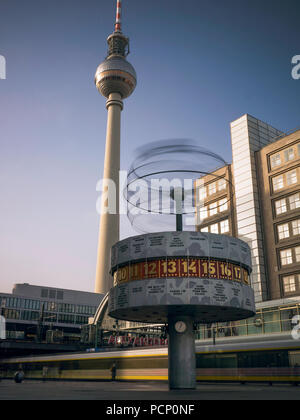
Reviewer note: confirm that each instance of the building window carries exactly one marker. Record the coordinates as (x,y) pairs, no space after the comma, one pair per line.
(81,319)
(296,227)
(202,212)
(294,201)
(289,154)
(66,318)
(283,231)
(289,284)
(275,160)
(52,294)
(222,184)
(280,206)
(286,256)
(60,295)
(214,228)
(11,313)
(213,208)
(205,229)
(223,204)
(44,293)
(202,193)
(52,306)
(30,315)
(278,183)
(212,188)
(31,304)
(298,146)
(224,226)
(291,177)
(297,253)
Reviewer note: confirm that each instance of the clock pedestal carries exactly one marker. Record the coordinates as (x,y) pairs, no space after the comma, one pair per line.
(182,358)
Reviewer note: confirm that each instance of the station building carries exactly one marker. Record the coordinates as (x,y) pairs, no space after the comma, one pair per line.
(46,313)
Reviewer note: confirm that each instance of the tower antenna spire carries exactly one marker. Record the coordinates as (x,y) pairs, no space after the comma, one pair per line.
(118,16)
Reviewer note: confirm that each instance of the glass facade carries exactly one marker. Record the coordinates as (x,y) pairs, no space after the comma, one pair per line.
(16,308)
(266,321)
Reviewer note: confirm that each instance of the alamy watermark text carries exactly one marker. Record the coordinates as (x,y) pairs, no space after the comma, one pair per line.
(296,67)
(2,67)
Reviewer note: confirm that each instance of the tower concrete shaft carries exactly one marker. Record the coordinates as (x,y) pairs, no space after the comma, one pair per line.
(115,79)
(109,222)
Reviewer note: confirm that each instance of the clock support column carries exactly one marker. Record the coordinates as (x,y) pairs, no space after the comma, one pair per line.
(182,352)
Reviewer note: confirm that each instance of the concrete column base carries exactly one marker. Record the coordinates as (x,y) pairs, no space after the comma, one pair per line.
(182,357)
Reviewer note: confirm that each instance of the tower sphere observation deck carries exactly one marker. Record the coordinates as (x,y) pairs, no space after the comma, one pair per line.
(115,74)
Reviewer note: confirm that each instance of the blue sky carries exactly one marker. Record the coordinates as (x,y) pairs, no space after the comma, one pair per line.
(200,65)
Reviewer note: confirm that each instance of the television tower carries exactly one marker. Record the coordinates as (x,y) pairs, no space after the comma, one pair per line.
(115,79)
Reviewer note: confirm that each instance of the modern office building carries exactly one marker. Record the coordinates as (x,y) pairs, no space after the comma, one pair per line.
(256,198)
(279,183)
(33,312)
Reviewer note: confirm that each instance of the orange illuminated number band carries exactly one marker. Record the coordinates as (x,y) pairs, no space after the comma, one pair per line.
(213,269)
(203,268)
(225,271)
(181,267)
(246,278)
(151,269)
(121,275)
(237,273)
(169,268)
(134,272)
(189,268)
